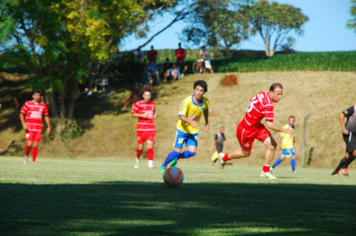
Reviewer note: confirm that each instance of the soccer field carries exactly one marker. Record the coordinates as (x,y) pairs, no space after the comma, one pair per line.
(110,197)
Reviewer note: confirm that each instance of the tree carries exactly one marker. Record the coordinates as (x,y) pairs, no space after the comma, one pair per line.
(57,41)
(213,22)
(273,22)
(351,24)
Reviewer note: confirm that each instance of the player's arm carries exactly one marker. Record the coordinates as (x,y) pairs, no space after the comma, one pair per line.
(138,115)
(206,117)
(343,115)
(48,124)
(275,127)
(193,123)
(22,119)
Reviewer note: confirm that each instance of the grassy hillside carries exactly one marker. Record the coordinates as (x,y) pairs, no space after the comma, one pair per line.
(322,94)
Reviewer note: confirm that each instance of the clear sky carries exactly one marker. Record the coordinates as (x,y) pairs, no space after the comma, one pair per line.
(325,31)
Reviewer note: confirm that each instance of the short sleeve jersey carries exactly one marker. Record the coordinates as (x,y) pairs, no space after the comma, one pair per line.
(180,53)
(34,113)
(192,111)
(287,139)
(220,138)
(152,54)
(260,107)
(206,52)
(350,114)
(152,68)
(142,107)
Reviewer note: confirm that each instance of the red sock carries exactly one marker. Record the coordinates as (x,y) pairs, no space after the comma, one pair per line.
(138,153)
(346,171)
(27,150)
(226,158)
(265,168)
(150,154)
(34,153)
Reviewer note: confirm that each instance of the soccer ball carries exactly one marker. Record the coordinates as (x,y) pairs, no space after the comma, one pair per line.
(173,177)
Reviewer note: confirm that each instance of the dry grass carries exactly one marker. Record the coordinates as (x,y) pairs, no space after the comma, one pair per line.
(322,94)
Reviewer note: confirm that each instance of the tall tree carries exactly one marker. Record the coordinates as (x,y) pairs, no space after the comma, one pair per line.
(273,22)
(351,24)
(216,23)
(56,40)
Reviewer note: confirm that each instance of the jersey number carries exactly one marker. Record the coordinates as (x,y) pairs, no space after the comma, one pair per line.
(253,101)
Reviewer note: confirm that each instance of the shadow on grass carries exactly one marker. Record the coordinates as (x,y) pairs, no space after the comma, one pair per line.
(135,208)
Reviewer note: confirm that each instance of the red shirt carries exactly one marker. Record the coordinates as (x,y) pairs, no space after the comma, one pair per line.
(141,107)
(260,106)
(34,112)
(180,52)
(152,55)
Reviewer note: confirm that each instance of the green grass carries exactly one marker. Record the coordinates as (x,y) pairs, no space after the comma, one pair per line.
(110,197)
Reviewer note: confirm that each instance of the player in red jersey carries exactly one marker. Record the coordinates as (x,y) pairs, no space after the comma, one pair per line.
(31,119)
(180,53)
(250,128)
(145,111)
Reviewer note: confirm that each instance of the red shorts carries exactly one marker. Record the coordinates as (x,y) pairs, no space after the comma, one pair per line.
(247,136)
(145,135)
(33,136)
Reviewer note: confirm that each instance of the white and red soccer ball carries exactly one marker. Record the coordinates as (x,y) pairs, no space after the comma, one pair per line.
(173,177)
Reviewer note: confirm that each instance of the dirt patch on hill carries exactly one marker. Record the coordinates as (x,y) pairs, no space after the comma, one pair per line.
(229,80)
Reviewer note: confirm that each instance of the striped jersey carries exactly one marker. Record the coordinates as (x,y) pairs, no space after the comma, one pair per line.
(33,113)
(260,106)
(141,107)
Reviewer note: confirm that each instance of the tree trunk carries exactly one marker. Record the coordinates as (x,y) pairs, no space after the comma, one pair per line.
(269,52)
(72,94)
(53,103)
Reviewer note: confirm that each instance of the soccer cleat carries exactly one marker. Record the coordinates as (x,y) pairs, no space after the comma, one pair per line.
(295,172)
(32,162)
(172,163)
(347,175)
(151,167)
(267,175)
(25,160)
(162,169)
(335,175)
(221,161)
(271,169)
(137,165)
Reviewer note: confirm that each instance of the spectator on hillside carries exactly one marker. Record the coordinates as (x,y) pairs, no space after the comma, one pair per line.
(147,80)
(135,95)
(152,55)
(166,66)
(172,74)
(205,58)
(180,53)
(19,100)
(138,55)
(153,69)
(182,67)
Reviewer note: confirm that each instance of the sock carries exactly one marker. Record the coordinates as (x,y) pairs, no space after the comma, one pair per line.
(342,162)
(34,153)
(277,162)
(150,154)
(186,154)
(226,157)
(150,163)
(138,153)
(27,150)
(345,171)
(171,156)
(345,165)
(292,163)
(265,168)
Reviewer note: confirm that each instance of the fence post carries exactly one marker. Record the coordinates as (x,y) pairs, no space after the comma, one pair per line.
(304,139)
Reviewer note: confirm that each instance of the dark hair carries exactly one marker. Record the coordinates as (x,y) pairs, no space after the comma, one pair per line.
(291,117)
(147,90)
(274,86)
(167,59)
(202,84)
(36,91)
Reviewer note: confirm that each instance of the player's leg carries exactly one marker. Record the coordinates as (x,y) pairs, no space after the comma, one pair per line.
(351,149)
(269,154)
(278,161)
(34,151)
(178,145)
(140,142)
(293,161)
(345,167)
(28,147)
(150,153)
(192,145)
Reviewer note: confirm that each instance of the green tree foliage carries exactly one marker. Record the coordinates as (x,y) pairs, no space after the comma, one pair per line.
(274,21)
(351,24)
(57,41)
(216,23)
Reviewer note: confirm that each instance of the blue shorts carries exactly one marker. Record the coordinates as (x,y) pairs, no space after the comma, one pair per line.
(188,139)
(288,152)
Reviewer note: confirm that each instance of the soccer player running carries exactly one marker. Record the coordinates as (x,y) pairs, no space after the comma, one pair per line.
(349,135)
(288,146)
(145,111)
(250,128)
(31,116)
(191,110)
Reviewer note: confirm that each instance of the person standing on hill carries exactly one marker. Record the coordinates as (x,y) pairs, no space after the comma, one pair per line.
(348,129)
(180,53)
(288,146)
(145,111)
(152,55)
(191,110)
(31,116)
(219,141)
(250,128)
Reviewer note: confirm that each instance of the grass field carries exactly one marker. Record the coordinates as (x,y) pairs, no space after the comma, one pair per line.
(109,197)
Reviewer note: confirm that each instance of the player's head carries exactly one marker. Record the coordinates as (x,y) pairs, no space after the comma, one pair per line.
(200,87)
(147,94)
(167,60)
(276,92)
(291,120)
(151,47)
(222,129)
(203,47)
(36,95)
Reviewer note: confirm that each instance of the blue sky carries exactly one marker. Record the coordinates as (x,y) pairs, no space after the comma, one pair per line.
(325,31)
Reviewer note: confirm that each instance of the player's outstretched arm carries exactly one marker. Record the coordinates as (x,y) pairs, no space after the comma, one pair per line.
(206,117)
(275,127)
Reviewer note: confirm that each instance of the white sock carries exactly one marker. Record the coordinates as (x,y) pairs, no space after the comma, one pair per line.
(150,163)
(137,160)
